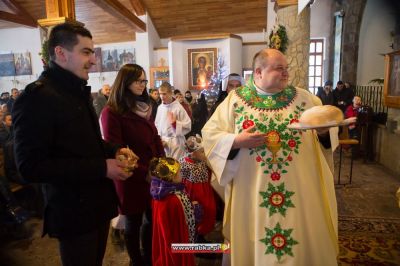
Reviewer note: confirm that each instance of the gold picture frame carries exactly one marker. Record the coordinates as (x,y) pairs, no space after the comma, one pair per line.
(158,75)
(202,65)
(391,87)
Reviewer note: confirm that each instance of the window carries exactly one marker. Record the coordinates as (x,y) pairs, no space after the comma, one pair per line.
(315,71)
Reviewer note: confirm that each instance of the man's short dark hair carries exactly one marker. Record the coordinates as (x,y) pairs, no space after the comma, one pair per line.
(66,35)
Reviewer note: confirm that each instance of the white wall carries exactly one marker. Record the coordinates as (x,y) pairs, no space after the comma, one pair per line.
(17,40)
(159,54)
(235,62)
(146,42)
(377,23)
(321,20)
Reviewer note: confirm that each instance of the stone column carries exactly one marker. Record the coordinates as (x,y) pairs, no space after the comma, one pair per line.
(298,32)
(353,13)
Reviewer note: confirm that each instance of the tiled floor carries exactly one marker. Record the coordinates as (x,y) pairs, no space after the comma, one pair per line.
(371,194)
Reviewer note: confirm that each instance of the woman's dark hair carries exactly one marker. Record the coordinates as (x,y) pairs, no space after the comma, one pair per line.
(121,99)
(66,35)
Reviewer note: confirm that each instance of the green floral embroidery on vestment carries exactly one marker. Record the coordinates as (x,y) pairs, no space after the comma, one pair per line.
(279,241)
(276,101)
(277,199)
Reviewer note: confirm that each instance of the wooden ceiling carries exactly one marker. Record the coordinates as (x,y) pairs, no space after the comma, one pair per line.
(171,18)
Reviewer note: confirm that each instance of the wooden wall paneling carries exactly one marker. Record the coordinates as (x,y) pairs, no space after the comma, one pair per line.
(19,14)
(104,27)
(115,8)
(175,18)
(138,7)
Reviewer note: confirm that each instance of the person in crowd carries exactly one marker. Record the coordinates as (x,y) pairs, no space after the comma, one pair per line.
(5,128)
(174,215)
(4,108)
(17,214)
(348,85)
(58,143)
(11,100)
(189,97)
(342,96)
(197,177)
(126,120)
(228,84)
(200,114)
(179,97)
(273,176)
(155,101)
(326,93)
(101,98)
(4,97)
(172,123)
(352,111)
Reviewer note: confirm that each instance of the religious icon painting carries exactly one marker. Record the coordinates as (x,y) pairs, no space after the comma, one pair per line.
(23,65)
(109,60)
(126,56)
(7,67)
(202,65)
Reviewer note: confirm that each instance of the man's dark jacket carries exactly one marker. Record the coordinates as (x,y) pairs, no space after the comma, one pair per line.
(58,143)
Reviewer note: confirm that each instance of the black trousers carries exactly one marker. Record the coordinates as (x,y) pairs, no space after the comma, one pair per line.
(138,229)
(85,250)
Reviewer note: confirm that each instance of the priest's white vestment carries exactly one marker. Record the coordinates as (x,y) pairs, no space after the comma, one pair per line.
(280,204)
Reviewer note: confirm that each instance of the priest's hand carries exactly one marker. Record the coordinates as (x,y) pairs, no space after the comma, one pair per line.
(249,139)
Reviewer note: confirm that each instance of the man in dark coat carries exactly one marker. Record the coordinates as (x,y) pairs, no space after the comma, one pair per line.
(58,143)
(342,96)
(326,94)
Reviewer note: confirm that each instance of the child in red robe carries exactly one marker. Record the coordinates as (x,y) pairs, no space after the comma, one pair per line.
(352,111)
(173,213)
(197,177)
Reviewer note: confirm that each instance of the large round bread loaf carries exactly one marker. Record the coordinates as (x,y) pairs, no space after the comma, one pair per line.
(321,115)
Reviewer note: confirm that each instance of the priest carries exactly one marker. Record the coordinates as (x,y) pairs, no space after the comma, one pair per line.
(280,205)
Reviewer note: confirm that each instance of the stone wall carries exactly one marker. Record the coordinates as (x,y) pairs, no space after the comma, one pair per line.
(298,31)
(353,12)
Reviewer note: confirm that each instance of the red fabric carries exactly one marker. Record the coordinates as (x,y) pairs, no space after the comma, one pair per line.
(204,194)
(188,109)
(169,226)
(142,137)
(351,111)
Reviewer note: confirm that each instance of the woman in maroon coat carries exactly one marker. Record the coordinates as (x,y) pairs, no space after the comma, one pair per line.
(126,120)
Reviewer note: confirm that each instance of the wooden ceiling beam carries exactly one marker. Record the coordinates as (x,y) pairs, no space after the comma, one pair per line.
(283,3)
(138,7)
(57,12)
(21,16)
(17,19)
(115,8)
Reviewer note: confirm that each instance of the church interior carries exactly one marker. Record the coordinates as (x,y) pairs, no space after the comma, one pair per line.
(324,41)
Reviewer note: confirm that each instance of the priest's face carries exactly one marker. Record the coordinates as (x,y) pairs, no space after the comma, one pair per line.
(273,77)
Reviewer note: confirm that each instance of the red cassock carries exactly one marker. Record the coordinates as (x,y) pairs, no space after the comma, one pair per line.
(169,226)
(196,177)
